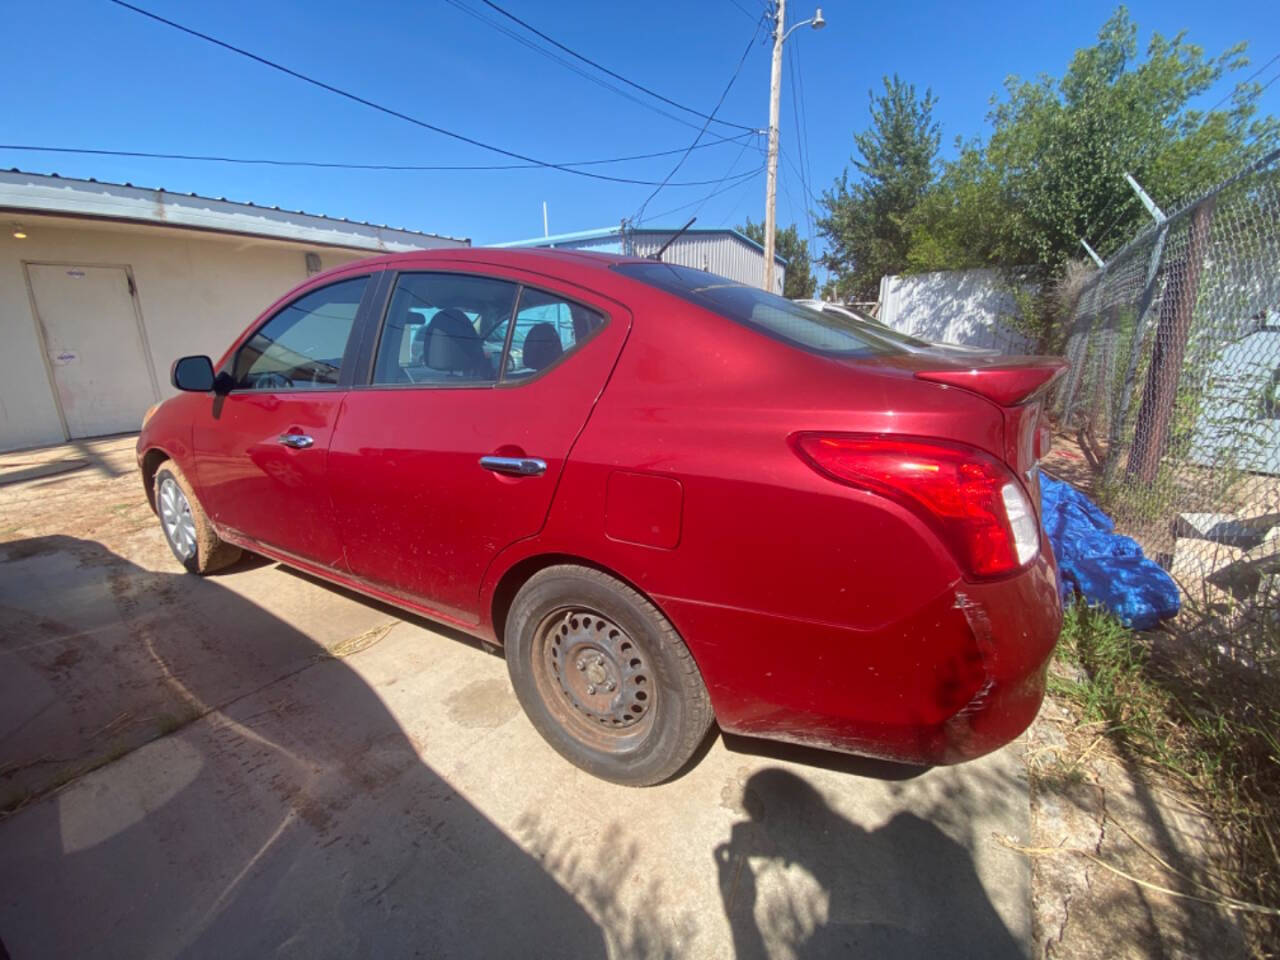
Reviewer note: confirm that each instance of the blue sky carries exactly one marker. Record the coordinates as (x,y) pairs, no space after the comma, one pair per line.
(100,76)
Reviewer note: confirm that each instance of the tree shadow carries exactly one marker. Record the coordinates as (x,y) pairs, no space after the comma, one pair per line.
(280,810)
(797,878)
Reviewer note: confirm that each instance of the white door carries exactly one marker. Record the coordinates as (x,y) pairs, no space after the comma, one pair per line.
(95,347)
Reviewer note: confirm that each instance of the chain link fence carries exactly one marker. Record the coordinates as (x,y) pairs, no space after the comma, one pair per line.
(1174,391)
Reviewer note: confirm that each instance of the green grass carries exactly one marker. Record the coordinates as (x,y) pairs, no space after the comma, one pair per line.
(1209,726)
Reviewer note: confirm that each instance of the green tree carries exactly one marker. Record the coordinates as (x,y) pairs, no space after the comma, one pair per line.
(865,222)
(799,282)
(1053,168)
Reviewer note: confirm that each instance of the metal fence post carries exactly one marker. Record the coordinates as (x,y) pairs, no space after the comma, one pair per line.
(1176,313)
(1135,351)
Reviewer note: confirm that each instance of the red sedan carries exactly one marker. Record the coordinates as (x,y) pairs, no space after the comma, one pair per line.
(674,500)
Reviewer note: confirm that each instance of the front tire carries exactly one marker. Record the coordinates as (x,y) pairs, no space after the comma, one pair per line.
(604,677)
(186,528)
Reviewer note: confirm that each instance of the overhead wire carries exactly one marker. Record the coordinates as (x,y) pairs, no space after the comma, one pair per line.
(728,173)
(639,215)
(744,138)
(801,148)
(737,181)
(389,111)
(745,12)
(1237,87)
(603,69)
(729,215)
(807,180)
(551,55)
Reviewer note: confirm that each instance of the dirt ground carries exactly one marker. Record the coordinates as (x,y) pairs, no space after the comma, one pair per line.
(1120,856)
(256,763)
(1098,815)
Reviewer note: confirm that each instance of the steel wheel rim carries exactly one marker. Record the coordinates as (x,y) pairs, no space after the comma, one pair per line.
(577,653)
(175,517)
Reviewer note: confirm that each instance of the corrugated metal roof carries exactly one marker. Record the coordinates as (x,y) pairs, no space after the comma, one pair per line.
(605,233)
(23,191)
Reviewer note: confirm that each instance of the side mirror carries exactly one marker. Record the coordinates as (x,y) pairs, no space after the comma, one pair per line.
(193,373)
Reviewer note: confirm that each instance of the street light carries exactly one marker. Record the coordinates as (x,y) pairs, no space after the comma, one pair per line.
(780,35)
(815,21)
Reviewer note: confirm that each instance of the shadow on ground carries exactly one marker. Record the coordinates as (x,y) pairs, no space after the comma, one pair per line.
(204,779)
(905,889)
(296,818)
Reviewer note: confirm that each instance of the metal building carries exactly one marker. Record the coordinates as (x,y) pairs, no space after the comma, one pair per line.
(724,252)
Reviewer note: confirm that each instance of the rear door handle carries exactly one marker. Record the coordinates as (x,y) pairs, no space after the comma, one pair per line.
(299,441)
(515,466)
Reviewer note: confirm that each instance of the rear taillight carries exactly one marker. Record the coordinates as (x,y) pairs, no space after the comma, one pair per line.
(969,498)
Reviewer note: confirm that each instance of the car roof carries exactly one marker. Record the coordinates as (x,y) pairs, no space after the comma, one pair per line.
(587,268)
(532,257)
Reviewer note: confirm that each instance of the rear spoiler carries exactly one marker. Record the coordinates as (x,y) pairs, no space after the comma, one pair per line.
(1008,381)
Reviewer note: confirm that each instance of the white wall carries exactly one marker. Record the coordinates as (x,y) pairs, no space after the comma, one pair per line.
(196,291)
(968,307)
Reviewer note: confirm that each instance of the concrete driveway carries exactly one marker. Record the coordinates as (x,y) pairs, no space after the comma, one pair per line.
(257,764)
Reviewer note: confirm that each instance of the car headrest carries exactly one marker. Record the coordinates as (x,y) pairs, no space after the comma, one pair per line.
(451,343)
(418,345)
(542,346)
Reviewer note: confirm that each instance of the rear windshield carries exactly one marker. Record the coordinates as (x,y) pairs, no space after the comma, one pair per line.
(819,332)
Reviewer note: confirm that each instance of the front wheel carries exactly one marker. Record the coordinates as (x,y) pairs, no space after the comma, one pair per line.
(604,677)
(188,531)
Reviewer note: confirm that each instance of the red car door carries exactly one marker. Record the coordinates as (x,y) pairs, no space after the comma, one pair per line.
(447,454)
(260,449)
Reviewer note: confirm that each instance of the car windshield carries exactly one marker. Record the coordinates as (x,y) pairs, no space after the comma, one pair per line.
(813,330)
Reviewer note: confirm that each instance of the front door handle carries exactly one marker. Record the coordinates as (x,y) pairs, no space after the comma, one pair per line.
(299,441)
(515,466)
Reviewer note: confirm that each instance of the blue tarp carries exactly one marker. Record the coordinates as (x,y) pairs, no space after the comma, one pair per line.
(1103,566)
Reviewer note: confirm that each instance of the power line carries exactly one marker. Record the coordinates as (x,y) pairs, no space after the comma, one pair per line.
(745,12)
(733,166)
(786,155)
(737,181)
(807,166)
(729,216)
(801,147)
(603,69)
(1267,84)
(337,165)
(551,55)
(384,109)
(719,103)
(1246,80)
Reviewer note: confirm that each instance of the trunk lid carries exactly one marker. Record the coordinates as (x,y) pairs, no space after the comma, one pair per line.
(1016,385)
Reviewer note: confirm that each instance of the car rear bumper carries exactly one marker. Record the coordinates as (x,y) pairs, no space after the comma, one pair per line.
(958,677)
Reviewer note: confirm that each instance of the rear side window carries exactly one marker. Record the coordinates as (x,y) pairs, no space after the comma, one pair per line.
(444,329)
(769,313)
(547,327)
(302,346)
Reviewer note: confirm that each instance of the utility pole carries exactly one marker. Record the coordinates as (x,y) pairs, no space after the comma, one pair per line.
(771,182)
(780,34)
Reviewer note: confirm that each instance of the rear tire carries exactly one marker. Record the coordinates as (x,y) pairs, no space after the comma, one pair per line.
(604,677)
(186,528)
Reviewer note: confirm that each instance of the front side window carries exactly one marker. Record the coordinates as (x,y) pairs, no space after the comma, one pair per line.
(812,330)
(547,327)
(444,329)
(302,346)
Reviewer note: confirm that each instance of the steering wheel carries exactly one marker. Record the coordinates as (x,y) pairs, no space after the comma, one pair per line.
(272,381)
